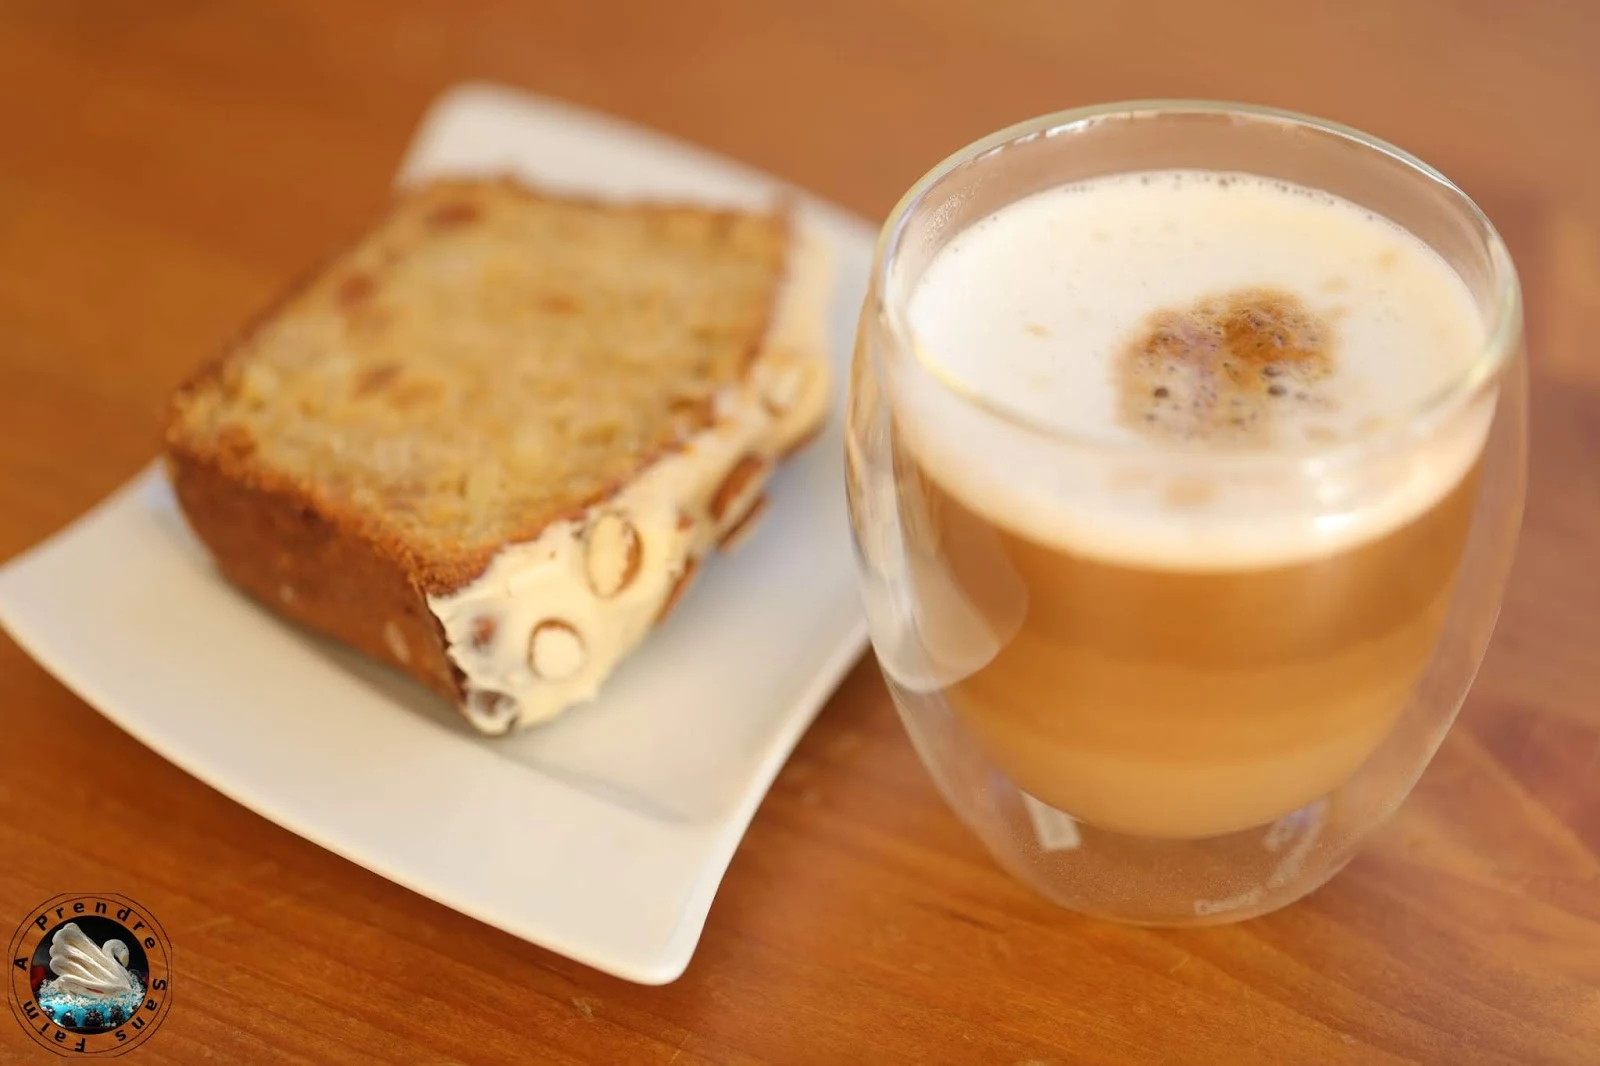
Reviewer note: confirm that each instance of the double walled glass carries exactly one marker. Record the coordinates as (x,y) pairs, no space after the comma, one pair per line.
(1179,746)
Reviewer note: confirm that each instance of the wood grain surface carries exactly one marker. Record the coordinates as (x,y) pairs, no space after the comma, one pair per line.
(166,165)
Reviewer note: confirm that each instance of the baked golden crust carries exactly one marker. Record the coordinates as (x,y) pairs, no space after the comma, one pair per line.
(280,548)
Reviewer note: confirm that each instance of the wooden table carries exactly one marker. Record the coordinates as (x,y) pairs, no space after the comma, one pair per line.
(165,165)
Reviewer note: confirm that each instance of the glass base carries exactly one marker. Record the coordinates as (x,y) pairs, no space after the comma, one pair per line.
(1144,881)
(1118,876)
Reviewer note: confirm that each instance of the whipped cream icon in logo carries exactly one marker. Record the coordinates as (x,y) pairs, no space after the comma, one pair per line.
(92,981)
(90,975)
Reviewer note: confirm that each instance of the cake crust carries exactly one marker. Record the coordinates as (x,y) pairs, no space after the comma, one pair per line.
(277,545)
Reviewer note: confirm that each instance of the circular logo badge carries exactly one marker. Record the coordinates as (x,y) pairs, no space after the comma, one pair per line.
(90,975)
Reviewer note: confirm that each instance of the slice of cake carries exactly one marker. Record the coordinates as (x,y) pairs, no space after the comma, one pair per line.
(492,442)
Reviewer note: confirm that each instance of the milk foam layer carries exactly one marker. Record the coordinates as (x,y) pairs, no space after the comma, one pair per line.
(1029,308)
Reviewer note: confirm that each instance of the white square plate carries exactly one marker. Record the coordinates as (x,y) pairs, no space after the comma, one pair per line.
(602,836)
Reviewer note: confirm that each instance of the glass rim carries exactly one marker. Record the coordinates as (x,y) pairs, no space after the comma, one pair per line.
(1502,340)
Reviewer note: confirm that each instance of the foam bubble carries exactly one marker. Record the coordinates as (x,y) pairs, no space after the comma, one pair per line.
(1054,308)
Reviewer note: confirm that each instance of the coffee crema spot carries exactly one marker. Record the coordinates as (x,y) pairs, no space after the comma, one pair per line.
(1216,370)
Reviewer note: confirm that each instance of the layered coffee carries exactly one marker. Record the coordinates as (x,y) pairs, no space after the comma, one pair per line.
(1182,499)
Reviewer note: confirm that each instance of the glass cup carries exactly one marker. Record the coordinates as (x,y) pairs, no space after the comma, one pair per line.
(1162,746)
